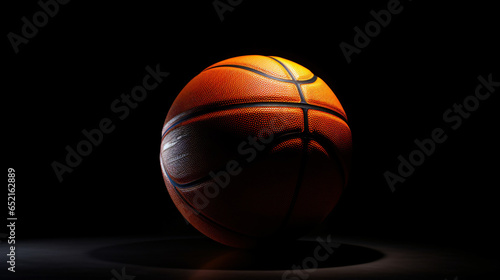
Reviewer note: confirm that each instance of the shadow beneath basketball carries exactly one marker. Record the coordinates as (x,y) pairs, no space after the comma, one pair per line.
(200,253)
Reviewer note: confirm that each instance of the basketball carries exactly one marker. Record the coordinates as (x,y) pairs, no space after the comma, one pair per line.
(255,149)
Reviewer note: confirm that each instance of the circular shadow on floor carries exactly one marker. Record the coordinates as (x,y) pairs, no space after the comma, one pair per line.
(198,253)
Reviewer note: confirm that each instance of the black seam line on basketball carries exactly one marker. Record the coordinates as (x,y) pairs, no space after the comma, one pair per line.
(242,163)
(319,139)
(302,98)
(250,105)
(198,213)
(331,148)
(306,120)
(300,179)
(304,151)
(309,81)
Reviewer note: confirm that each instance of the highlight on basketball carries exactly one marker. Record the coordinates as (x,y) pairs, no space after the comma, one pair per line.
(255,149)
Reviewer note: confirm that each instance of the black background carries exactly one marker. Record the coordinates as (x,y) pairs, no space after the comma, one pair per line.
(396,90)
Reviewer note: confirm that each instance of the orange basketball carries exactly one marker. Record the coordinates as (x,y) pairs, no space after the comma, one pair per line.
(255,149)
